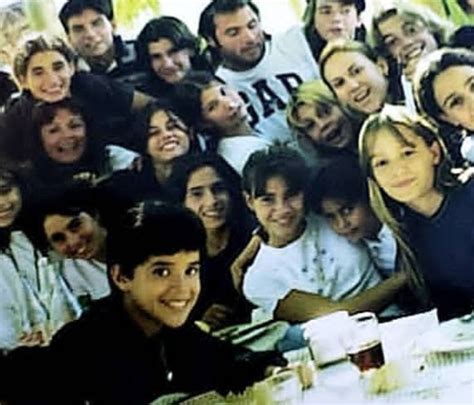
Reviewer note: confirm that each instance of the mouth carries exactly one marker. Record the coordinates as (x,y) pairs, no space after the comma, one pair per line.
(214,214)
(403,183)
(333,135)
(69,147)
(170,145)
(361,95)
(253,49)
(6,213)
(176,304)
(336,32)
(414,52)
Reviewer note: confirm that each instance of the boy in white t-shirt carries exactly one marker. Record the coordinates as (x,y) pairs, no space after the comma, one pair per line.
(303,269)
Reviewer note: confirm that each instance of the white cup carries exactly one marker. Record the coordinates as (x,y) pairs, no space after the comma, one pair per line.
(325,336)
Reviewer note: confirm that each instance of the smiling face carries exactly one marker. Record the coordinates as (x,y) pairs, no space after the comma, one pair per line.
(90,34)
(454,93)
(168,137)
(404,165)
(162,291)
(325,125)
(222,109)
(240,38)
(333,19)
(169,63)
(48,76)
(354,221)
(77,237)
(64,139)
(10,203)
(208,197)
(357,81)
(407,40)
(279,212)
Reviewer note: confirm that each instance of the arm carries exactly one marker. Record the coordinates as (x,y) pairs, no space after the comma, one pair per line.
(140,100)
(299,306)
(244,260)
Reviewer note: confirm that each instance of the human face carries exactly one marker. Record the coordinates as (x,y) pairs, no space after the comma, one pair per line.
(333,19)
(168,63)
(64,139)
(208,197)
(454,93)
(168,137)
(325,125)
(357,81)
(162,291)
(354,221)
(222,109)
(77,237)
(404,166)
(48,76)
(90,34)
(407,40)
(280,213)
(240,38)
(10,203)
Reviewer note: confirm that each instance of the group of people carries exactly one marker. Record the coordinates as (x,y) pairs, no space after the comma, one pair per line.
(149,187)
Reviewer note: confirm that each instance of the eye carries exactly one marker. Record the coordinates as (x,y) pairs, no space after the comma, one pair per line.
(75,224)
(356,70)
(51,129)
(323,110)
(337,83)
(57,66)
(409,152)
(193,270)
(161,271)
(390,42)
(266,199)
(57,238)
(411,29)
(219,188)
(455,102)
(195,193)
(379,163)
(252,24)
(346,9)
(98,23)
(324,10)
(347,210)
(233,32)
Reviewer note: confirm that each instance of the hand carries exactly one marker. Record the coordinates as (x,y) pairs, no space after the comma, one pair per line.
(217,315)
(244,260)
(463,175)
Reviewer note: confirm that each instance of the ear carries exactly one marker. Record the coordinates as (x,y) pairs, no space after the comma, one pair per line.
(435,149)
(119,279)
(249,201)
(383,65)
(23,82)
(114,25)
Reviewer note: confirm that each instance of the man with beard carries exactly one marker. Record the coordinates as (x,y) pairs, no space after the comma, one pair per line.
(264,69)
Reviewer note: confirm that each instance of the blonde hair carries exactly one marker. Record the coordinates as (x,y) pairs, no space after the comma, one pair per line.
(312,92)
(437,26)
(384,207)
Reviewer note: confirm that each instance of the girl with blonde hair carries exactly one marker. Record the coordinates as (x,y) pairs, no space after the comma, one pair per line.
(412,191)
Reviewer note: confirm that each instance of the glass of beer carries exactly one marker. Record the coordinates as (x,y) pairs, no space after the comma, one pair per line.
(363,344)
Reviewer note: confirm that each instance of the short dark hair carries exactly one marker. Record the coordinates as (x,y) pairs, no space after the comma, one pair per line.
(276,161)
(207,27)
(75,7)
(153,228)
(341,179)
(166,27)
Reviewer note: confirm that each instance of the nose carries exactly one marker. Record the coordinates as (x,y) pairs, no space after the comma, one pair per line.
(209,198)
(72,244)
(52,79)
(341,223)
(89,32)
(352,84)
(249,35)
(167,61)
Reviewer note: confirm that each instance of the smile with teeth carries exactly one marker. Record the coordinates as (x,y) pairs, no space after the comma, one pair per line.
(175,304)
(170,145)
(414,52)
(361,95)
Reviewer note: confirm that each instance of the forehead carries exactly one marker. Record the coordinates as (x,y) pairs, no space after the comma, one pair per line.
(183,257)
(395,22)
(332,205)
(161,46)
(327,3)
(203,176)
(45,58)
(160,117)
(211,91)
(342,60)
(87,15)
(447,80)
(236,18)
(56,223)
(397,136)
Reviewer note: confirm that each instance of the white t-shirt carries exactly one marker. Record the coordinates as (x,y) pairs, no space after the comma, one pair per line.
(237,150)
(467,148)
(319,262)
(383,251)
(266,87)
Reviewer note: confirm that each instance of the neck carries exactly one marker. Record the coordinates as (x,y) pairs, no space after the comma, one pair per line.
(148,325)
(217,240)
(277,242)
(243,129)
(162,171)
(101,253)
(374,228)
(428,204)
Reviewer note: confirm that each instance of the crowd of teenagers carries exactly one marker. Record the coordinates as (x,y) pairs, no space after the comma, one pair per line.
(154,190)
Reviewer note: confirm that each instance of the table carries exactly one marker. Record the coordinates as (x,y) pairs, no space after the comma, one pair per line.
(436,376)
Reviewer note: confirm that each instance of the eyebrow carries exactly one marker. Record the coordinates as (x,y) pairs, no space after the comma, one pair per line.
(167,263)
(452,95)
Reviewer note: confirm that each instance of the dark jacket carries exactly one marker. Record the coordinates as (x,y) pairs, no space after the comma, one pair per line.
(106,359)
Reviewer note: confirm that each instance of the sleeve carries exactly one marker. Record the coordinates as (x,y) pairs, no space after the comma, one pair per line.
(105,93)
(264,286)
